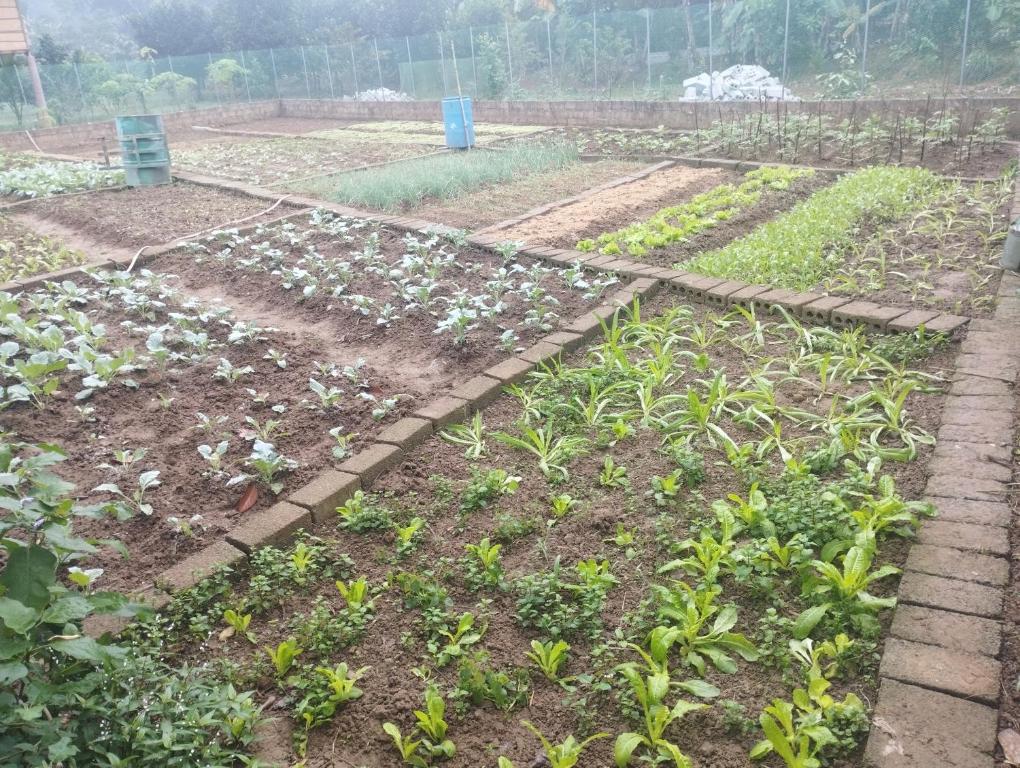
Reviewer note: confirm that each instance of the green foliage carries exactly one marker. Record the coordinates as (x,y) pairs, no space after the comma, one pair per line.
(703,211)
(409,183)
(549,657)
(565,754)
(430,729)
(359,514)
(477,683)
(801,247)
(558,608)
(46,179)
(71,699)
(487,488)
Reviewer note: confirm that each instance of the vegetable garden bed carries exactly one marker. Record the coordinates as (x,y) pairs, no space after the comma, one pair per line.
(899,235)
(671,214)
(669,525)
(24,253)
(142,216)
(941,144)
(405,185)
(330,331)
(270,161)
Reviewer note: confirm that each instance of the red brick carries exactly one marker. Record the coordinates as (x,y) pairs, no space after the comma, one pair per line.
(955,672)
(966,511)
(478,391)
(865,312)
(821,309)
(954,631)
(409,433)
(999,433)
(569,341)
(953,562)
(444,410)
(275,526)
(911,320)
(767,299)
(746,296)
(918,728)
(798,301)
(966,487)
(958,463)
(718,294)
(946,323)
(589,325)
(979,385)
(950,594)
(510,371)
(372,462)
(188,572)
(541,353)
(325,493)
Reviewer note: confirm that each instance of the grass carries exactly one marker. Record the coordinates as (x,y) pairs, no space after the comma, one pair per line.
(807,244)
(442,177)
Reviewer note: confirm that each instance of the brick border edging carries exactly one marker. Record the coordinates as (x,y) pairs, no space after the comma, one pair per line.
(816,307)
(940,674)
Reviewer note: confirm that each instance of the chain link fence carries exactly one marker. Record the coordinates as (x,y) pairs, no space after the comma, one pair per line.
(841,49)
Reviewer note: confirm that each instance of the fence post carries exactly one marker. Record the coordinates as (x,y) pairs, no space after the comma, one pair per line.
(329,72)
(786,42)
(548,43)
(509,58)
(442,63)
(595,54)
(276,77)
(81,91)
(378,63)
(648,46)
(304,66)
(354,69)
(474,70)
(963,53)
(170,63)
(864,54)
(244,68)
(410,67)
(711,95)
(216,90)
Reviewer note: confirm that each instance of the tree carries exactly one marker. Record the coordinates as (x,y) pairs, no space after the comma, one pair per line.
(174,28)
(256,24)
(49,51)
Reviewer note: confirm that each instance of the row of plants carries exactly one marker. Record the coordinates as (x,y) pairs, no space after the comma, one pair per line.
(684,525)
(44,179)
(359,268)
(804,246)
(701,212)
(799,137)
(945,257)
(24,253)
(404,185)
(86,353)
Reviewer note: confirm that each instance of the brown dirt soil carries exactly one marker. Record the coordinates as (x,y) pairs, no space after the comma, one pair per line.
(497,202)
(293,125)
(271,161)
(96,251)
(561,229)
(27,250)
(429,484)
(132,218)
(424,366)
(629,203)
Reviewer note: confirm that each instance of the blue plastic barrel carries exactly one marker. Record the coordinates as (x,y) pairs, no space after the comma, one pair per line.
(459,122)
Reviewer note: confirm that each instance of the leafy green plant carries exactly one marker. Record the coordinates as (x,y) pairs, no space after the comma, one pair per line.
(471,436)
(613,476)
(337,687)
(431,727)
(552,452)
(483,567)
(283,656)
(549,657)
(239,624)
(486,488)
(359,514)
(567,753)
